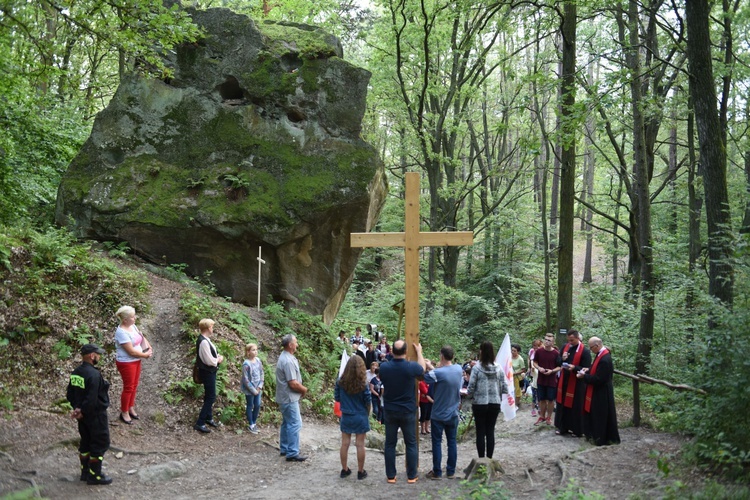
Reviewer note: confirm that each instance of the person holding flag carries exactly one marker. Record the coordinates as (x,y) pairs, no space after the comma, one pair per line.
(488,387)
(571,392)
(599,415)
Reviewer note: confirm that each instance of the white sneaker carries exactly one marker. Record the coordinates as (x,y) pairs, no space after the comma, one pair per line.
(533,412)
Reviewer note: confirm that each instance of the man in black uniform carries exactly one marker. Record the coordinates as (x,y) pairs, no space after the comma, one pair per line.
(88,394)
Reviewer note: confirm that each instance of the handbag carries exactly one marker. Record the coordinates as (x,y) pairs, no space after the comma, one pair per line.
(197,373)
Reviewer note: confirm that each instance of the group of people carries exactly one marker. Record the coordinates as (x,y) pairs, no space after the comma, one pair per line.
(88,393)
(400,377)
(574,388)
(581,387)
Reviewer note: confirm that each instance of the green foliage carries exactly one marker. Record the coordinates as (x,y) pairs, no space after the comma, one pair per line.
(473,490)
(711,490)
(62,350)
(40,137)
(45,267)
(6,402)
(720,420)
(573,491)
(117,250)
(180,388)
(241,322)
(32,492)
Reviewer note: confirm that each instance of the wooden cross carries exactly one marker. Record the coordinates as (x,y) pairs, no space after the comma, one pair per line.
(260,263)
(411,239)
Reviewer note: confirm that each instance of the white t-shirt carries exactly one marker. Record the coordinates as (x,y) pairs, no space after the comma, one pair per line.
(123,336)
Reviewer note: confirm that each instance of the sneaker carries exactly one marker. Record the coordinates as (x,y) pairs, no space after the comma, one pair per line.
(345,473)
(253,429)
(540,420)
(433,475)
(212,423)
(533,412)
(450,476)
(202,428)
(361,475)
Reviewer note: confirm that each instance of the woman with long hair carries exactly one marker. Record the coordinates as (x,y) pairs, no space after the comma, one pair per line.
(486,385)
(353,394)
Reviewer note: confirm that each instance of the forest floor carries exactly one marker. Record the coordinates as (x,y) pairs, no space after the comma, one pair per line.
(161,456)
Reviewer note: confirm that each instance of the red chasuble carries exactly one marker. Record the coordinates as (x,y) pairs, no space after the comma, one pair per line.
(590,388)
(570,390)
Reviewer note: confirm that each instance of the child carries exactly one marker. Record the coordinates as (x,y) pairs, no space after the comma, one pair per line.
(425,407)
(376,390)
(252,385)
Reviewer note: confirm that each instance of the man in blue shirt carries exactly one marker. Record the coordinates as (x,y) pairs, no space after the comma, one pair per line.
(447,379)
(399,378)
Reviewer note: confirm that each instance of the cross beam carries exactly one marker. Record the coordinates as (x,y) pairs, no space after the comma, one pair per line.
(411,239)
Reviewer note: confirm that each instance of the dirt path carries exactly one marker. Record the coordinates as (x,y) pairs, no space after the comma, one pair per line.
(231,463)
(161,456)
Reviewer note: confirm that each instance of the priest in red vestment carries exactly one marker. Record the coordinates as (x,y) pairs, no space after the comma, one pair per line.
(570,391)
(599,415)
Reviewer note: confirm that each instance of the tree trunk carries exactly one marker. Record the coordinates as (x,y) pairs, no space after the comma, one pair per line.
(567,172)
(712,152)
(588,188)
(642,195)
(745,229)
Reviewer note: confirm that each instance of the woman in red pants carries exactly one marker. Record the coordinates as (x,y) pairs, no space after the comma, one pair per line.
(132,346)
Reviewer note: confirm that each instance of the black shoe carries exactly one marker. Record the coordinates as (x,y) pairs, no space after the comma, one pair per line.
(128,422)
(202,428)
(361,475)
(134,417)
(103,479)
(297,458)
(212,423)
(346,473)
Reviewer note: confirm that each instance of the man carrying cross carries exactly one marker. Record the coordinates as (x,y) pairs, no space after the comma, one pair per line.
(411,239)
(399,378)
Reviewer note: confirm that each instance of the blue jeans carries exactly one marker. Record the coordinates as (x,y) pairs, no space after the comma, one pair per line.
(451,429)
(209,396)
(291,424)
(407,421)
(252,408)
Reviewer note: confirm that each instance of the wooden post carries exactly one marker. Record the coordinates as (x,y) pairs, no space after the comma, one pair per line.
(636,403)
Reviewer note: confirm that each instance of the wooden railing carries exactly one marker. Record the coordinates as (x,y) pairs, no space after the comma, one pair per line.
(637,379)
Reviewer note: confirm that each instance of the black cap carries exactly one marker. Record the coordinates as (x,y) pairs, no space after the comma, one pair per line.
(89,348)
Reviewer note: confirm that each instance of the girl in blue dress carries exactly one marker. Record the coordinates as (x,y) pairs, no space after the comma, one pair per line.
(353,394)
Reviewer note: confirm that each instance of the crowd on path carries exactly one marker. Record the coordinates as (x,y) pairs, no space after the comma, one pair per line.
(379,380)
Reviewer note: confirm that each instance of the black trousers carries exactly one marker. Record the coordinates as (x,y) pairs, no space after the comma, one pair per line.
(485,418)
(94,431)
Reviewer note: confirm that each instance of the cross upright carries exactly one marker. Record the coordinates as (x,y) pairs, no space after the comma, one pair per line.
(411,239)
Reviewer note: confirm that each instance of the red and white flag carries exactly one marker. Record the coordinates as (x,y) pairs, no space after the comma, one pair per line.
(344,361)
(504,362)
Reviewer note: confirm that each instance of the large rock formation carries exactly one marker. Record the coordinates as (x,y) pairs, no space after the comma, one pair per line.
(253,143)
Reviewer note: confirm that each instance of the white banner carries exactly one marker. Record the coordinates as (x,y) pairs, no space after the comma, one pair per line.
(344,361)
(503,361)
